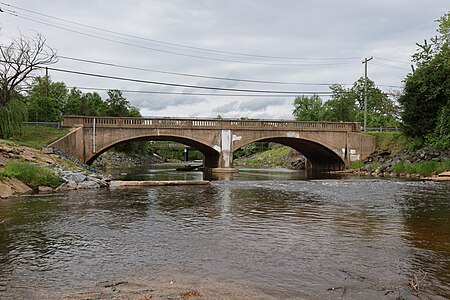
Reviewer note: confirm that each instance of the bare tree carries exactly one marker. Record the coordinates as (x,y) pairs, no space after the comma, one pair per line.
(18,60)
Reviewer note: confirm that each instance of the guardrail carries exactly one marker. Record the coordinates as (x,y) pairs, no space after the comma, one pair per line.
(130,122)
(382,129)
(48,124)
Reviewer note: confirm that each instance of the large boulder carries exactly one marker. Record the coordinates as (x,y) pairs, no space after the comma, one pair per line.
(5,190)
(18,186)
(88,185)
(74,176)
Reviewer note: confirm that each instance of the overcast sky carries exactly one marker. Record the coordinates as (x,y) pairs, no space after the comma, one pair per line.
(302,45)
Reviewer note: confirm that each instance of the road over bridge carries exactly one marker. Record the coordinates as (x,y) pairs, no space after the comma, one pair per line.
(327,145)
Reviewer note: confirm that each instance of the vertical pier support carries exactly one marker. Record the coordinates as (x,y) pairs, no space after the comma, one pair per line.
(226,153)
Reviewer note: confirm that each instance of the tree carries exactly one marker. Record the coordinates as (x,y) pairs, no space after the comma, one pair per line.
(347,105)
(46,100)
(73,103)
(427,88)
(18,60)
(381,110)
(342,105)
(308,108)
(116,104)
(92,104)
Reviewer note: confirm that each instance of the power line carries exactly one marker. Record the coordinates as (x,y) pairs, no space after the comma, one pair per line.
(393,60)
(175,44)
(182,54)
(389,66)
(194,75)
(181,85)
(200,94)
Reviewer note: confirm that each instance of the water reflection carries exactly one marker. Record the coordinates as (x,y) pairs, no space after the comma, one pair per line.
(426,212)
(289,238)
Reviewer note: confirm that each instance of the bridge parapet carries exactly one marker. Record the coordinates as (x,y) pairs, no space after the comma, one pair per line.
(182,123)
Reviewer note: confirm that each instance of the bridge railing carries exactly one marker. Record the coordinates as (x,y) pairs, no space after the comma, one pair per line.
(127,122)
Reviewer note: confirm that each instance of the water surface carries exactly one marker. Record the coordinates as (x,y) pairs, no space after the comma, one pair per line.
(279,236)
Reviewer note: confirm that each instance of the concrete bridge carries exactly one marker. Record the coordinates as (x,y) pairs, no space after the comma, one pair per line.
(327,145)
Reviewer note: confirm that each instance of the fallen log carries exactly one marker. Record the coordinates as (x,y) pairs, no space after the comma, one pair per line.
(126,183)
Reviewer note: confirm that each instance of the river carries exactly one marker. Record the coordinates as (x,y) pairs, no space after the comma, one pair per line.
(264,234)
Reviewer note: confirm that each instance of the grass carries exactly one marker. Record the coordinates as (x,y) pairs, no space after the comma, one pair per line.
(390,140)
(275,158)
(31,174)
(426,168)
(357,165)
(36,136)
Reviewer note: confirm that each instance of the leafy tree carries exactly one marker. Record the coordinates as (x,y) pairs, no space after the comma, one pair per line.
(342,105)
(45,107)
(427,89)
(12,117)
(381,110)
(73,103)
(116,104)
(308,108)
(92,104)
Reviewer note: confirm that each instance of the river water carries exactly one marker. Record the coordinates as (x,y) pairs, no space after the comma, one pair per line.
(271,234)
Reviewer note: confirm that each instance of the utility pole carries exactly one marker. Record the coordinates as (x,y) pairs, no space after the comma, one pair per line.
(365,90)
(46,93)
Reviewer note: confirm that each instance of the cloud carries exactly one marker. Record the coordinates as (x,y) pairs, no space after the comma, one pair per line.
(309,30)
(260,104)
(226,108)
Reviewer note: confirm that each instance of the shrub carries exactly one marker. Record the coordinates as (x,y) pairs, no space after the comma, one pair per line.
(32,174)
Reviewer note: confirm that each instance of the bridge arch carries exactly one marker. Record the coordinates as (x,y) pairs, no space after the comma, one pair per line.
(319,154)
(211,156)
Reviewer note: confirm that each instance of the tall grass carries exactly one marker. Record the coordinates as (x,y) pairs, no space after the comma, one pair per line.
(38,136)
(425,168)
(31,174)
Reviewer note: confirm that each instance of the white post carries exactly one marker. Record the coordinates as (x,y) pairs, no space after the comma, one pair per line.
(93,136)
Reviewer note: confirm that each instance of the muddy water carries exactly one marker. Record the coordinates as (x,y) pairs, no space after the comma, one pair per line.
(268,232)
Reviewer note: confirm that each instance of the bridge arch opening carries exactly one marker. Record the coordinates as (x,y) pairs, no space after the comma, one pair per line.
(321,157)
(210,160)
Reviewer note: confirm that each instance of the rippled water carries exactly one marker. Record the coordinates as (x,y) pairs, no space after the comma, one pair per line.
(313,239)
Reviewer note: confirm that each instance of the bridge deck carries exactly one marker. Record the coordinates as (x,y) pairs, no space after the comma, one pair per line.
(182,123)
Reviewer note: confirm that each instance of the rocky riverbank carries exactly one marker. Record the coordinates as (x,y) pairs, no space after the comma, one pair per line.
(72,173)
(417,164)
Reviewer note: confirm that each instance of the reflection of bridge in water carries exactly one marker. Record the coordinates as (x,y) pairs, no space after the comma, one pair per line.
(327,145)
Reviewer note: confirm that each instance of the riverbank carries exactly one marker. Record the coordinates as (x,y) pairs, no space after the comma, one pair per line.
(25,170)
(426,163)
(277,157)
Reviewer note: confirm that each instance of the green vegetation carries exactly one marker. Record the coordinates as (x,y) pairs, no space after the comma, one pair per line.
(18,61)
(275,157)
(426,168)
(173,151)
(426,96)
(31,174)
(347,105)
(36,136)
(12,116)
(357,165)
(251,149)
(393,141)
